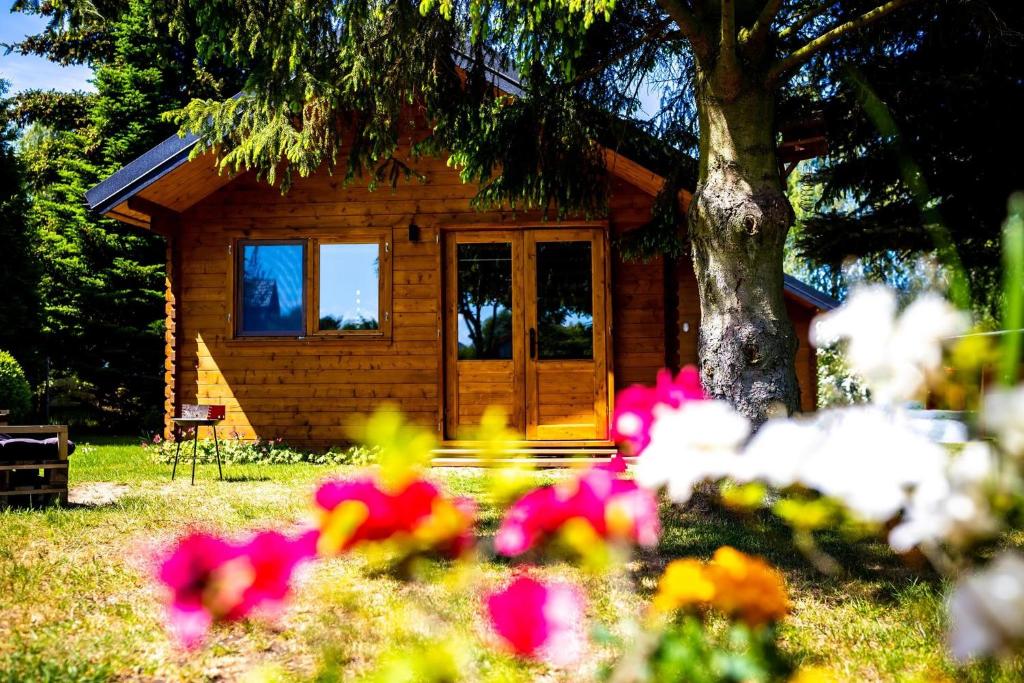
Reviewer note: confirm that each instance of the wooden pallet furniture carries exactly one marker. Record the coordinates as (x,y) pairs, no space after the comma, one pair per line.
(53,480)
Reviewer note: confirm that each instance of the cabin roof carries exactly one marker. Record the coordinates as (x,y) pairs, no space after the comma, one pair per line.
(809,295)
(123,194)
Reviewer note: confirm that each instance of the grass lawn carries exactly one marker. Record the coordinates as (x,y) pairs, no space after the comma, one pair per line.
(77,602)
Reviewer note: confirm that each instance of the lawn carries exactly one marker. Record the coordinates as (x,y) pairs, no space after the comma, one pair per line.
(77,602)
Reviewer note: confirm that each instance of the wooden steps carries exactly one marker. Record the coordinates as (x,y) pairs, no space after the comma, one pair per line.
(537,458)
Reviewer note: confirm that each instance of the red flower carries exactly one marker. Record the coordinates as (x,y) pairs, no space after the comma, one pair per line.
(615,509)
(635,406)
(539,621)
(212,579)
(358,511)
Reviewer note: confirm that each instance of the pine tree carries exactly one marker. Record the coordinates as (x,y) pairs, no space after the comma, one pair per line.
(102,282)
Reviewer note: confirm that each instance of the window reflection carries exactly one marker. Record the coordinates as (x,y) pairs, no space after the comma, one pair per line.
(349,287)
(485,301)
(565,301)
(272,289)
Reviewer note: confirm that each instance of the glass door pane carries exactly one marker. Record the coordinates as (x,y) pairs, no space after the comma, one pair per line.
(565,301)
(484,301)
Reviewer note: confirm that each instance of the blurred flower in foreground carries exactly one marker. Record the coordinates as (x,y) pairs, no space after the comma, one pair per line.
(867,458)
(614,508)
(1002,416)
(635,406)
(953,508)
(986,610)
(417,517)
(212,579)
(734,583)
(895,354)
(540,621)
(695,442)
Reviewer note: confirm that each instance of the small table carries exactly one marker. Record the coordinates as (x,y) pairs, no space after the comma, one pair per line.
(195,423)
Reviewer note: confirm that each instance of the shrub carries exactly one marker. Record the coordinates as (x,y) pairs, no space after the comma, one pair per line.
(15,392)
(275,452)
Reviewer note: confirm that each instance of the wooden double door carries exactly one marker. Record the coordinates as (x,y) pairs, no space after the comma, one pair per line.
(526,329)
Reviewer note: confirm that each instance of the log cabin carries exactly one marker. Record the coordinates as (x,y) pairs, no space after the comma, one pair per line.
(303,312)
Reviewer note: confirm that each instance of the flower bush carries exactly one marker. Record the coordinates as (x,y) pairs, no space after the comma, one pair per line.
(235,450)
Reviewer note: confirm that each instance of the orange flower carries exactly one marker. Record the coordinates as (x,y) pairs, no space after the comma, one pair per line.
(747,587)
(685,584)
(738,585)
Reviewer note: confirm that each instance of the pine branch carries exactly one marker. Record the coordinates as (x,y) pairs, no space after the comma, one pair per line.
(754,40)
(805,19)
(690,26)
(803,54)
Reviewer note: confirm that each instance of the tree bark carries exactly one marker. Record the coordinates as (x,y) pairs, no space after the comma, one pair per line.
(738,221)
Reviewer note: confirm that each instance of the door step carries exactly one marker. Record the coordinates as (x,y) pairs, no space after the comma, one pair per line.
(540,458)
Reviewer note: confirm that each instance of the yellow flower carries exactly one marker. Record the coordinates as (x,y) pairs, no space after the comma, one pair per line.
(685,584)
(814,674)
(747,587)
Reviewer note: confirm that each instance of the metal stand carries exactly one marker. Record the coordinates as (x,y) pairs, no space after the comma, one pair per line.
(195,424)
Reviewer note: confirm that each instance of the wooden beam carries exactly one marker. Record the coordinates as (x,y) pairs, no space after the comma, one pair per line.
(641,177)
(149,207)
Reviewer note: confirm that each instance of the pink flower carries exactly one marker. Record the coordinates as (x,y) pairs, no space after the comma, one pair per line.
(635,406)
(212,579)
(357,511)
(157,438)
(616,464)
(615,508)
(539,621)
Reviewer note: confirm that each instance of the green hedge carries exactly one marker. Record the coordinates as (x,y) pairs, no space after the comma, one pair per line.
(15,392)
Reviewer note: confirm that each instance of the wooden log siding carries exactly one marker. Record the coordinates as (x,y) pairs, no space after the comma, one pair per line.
(314,390)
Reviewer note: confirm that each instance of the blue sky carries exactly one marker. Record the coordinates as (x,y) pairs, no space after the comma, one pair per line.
(35,72)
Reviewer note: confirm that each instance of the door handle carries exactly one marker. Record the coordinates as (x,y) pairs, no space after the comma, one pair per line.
(533,343)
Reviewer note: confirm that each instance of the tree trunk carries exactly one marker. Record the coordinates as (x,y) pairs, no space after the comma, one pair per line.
(738,222)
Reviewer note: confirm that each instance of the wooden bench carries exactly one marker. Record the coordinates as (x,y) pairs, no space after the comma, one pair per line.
(54,481)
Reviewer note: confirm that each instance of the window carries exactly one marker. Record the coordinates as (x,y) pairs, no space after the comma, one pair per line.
(565,301)
(271,298)
(314,287)
(349,287)
(485,301)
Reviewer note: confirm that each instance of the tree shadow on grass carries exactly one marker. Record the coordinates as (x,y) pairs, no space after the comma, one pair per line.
(702,528)
(237,478)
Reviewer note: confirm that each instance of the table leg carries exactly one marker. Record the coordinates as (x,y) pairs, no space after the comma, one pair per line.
(177,449)
(195,448)
(216,446)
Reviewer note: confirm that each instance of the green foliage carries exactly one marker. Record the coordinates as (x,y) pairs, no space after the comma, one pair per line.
(19,313)
(1013,290)
(15,392)
(100,282)
(259,452)
(949,83)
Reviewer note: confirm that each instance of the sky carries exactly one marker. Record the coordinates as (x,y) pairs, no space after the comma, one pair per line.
(35,72)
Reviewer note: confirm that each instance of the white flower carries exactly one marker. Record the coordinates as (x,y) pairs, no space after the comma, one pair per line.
(1002,415)
(986,610)
(779,451)
(696,442)
(870,460)
(954,508)
(894,355)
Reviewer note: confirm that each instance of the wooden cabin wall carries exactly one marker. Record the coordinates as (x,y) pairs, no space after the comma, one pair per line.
(806,356)
(638,296)
(313,391)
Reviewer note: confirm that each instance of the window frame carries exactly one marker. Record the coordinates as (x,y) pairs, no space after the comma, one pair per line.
(383,240)
(239,286)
